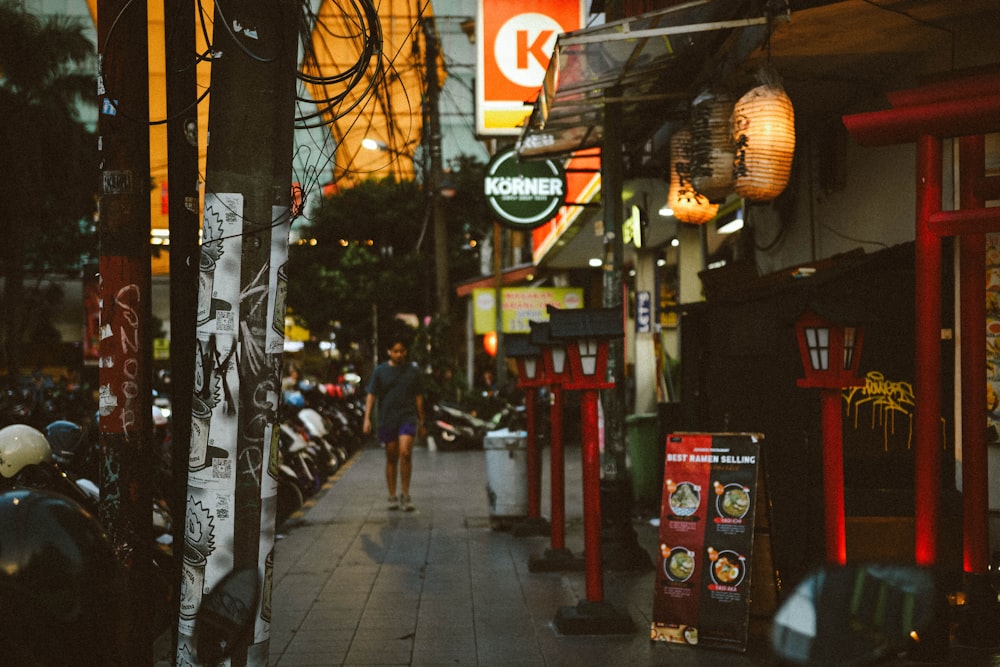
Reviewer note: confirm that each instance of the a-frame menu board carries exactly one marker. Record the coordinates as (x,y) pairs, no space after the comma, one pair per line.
(711,489)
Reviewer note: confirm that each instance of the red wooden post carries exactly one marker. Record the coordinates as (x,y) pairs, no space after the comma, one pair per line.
(591,495)
(927,374)
(531,376)
(833,478)
(557,558)
(557,470)
(975,478)
(831,354)
(588,334)
(533,462)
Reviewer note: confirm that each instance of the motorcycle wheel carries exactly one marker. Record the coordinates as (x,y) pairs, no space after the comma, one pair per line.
(447,440)
(289,501)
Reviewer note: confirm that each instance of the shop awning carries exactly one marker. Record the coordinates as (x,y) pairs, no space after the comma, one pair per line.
(511,276)
(653,64)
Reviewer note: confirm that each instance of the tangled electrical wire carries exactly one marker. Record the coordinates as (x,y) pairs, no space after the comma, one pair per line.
(348,75)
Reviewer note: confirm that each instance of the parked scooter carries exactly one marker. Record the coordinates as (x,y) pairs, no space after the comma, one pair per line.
(27,461)
(455,428)
(62,585)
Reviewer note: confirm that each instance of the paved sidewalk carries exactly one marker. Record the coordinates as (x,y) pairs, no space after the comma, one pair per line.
(358,584)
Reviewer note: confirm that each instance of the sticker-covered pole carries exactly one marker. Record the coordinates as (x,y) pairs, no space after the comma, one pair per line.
(125,371)
(232,487)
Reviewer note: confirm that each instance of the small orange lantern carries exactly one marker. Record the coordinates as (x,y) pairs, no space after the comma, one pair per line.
(687,203)
(490,343)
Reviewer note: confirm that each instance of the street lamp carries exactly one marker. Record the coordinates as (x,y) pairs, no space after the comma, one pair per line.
(555,370)
(588,334)
(830,356)
(531,376)
(379,146)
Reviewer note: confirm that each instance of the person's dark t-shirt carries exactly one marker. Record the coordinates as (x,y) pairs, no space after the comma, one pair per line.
(396,388)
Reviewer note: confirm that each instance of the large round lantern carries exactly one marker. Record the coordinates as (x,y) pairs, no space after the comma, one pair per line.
(687,203)
(764,134)
(712,147)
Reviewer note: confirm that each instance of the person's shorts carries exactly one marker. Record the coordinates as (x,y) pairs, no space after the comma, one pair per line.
(392,433)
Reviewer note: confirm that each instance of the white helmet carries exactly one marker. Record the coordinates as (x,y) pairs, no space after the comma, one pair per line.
(20,446)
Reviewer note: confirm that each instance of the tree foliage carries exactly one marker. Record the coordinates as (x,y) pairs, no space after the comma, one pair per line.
(367,255)
(365,250)
(48,158)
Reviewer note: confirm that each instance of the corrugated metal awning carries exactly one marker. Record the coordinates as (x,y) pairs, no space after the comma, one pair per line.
(653,64)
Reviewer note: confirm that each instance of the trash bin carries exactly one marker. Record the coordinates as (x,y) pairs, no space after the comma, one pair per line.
(506,476)
(642,433)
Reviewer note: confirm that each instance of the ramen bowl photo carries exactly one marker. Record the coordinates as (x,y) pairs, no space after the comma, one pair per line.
(679,565)
(733,502)
(728,568)
(684,499)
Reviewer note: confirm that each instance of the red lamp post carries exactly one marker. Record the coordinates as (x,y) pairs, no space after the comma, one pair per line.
(588,334)
(830,355)
(530,376)
(557,557)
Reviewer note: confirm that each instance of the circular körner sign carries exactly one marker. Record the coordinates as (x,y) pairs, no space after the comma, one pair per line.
(524,194)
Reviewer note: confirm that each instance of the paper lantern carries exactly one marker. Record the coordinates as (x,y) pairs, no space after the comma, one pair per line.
(712,148)
(764,134)
(687,203)
(490,343)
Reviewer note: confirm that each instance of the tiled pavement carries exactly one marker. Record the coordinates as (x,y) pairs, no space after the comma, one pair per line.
(358,584)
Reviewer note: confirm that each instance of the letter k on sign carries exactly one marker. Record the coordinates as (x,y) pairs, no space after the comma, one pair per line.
(536,48)
(530,37)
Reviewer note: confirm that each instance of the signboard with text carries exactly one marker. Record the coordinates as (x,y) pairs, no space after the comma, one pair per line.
(524,195)
(514,42)
(710,492)
(520,306)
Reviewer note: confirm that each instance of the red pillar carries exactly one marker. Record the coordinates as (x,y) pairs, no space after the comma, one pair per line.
(833,478)
(534,466)
(975,480)
(557,475)
(927,377)
(591,496)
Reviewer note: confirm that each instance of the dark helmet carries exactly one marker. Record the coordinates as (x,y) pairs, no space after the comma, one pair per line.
(65,438)
(59,582)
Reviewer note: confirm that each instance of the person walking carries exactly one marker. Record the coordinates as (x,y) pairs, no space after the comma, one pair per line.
(396,384)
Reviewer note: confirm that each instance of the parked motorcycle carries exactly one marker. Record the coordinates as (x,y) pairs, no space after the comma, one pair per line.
(62,585)
(27,462)
(453,427)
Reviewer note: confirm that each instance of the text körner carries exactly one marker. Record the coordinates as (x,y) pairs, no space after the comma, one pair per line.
(506,186)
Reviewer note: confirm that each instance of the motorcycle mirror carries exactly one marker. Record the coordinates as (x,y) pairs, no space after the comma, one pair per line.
(225,619)
(854,614)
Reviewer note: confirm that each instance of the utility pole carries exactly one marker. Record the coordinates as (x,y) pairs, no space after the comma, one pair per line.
(619,542)
(232,462)
(441,280)
(125,375)
(182,177)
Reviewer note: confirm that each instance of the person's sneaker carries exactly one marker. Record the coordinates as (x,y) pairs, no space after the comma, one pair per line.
(393,503)
(405,504)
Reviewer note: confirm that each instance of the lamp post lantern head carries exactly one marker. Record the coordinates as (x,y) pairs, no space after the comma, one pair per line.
(830,352)
(554,355)
(528,357)
(588,334)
